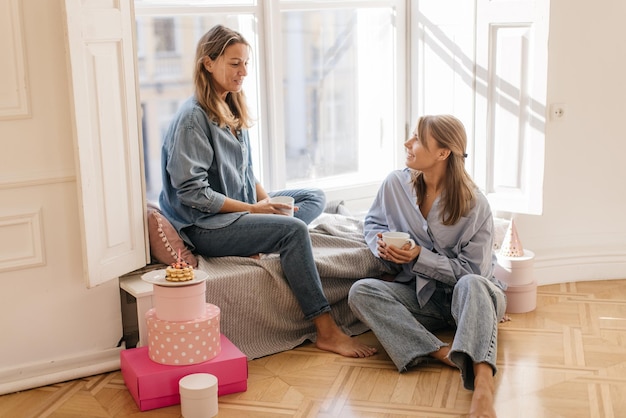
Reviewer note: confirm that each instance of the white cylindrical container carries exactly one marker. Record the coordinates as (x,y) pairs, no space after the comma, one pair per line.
(516,271)
(198,395)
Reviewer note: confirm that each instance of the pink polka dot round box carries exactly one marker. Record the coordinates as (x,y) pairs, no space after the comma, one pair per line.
(180,343)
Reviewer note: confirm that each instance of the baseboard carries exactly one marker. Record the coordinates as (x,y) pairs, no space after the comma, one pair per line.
(564,268)
(42,374)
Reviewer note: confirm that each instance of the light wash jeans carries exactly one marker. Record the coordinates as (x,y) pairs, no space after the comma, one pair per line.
(474,306)
(266,233)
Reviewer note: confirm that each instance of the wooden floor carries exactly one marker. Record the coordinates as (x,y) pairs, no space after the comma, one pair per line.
(565,359)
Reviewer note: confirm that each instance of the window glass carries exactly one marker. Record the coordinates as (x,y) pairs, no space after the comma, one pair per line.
(339,78)
(164,35)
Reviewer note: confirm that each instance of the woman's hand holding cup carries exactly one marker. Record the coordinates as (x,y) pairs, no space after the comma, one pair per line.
(397,247)
(284,204)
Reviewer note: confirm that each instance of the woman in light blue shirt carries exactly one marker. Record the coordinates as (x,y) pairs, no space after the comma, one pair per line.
(212,197)
(444,281)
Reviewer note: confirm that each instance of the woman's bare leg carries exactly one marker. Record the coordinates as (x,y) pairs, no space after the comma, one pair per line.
(442,356)
(331,338)
(484,390)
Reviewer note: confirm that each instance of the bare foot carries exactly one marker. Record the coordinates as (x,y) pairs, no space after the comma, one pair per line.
(442,356)
(345,345)
(331,338)
(484,388)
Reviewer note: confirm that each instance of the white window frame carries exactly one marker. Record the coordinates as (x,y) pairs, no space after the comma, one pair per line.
(498,113)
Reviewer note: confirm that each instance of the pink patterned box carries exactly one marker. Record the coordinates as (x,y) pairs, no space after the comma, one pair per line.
(179,343)
(153,385)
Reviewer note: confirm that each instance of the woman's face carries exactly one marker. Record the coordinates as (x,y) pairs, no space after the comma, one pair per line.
(229,69)
(422,153)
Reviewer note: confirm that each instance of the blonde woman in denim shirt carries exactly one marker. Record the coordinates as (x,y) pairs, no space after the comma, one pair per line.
(211,196)
(446,280)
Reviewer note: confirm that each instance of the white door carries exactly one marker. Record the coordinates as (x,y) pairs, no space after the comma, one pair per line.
(107,137)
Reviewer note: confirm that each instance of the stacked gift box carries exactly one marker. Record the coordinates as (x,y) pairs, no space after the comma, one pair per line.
(515,268)
(183,338)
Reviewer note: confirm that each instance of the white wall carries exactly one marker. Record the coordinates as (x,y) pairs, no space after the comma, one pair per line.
(54,328)
(582,232)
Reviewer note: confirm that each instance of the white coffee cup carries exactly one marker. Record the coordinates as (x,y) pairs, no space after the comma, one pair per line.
(287,200)
(398,239)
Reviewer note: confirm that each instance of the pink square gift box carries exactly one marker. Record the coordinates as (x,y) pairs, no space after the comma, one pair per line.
(155,385)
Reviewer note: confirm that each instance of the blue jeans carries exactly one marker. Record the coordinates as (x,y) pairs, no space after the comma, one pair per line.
(267,233)
(474,306)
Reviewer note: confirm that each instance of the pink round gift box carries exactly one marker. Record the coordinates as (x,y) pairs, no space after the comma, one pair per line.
(515,271)
(521,299)
(184,342)
(179,303)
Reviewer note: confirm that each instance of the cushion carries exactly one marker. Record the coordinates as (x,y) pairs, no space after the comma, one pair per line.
(165,241)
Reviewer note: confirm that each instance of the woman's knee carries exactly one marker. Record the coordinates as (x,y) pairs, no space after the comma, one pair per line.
(470,287)
(317,201)
(470,283)
(476,290)
(318,196)
(361,291)
(297,227)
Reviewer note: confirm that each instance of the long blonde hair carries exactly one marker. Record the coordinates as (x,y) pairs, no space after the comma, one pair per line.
(458,195)
(233,111)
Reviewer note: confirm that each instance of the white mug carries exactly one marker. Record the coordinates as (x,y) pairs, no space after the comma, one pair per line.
(398,239)
(287,200)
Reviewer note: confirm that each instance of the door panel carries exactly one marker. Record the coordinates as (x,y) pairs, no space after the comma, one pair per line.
(107,137)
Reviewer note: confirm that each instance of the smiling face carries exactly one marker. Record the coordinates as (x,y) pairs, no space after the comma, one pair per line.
(423,153)
(229,69)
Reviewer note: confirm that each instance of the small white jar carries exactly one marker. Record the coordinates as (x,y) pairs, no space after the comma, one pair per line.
(198,395)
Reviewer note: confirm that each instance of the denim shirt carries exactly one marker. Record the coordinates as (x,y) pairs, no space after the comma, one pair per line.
(448,251)
(201,165)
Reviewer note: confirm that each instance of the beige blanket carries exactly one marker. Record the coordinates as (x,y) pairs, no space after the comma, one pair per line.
(259,313)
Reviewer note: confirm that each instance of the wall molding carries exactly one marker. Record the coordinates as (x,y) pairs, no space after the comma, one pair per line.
(47,373)
(36,179)
(14,103)
(25,236)
(576,266)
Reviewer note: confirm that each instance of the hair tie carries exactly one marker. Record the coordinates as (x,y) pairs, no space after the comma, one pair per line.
(465,155)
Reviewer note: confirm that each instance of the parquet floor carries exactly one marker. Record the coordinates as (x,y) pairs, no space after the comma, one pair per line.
(565,359)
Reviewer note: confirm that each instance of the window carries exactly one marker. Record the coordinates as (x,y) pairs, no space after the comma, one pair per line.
(334,91)
(486,63)
(339,84)
(332,77)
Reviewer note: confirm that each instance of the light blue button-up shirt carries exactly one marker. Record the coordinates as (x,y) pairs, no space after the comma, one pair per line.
(202,164)
(448,251)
